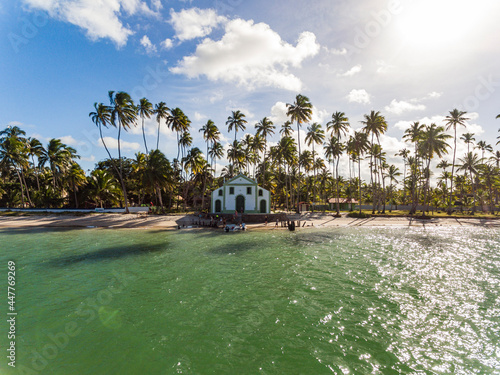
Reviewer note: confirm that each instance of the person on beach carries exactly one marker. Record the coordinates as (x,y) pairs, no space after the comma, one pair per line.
(265,220)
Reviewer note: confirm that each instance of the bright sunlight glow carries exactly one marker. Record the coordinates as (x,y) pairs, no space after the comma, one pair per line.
(434,23)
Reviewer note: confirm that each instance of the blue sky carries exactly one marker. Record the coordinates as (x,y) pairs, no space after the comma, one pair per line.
(411,60)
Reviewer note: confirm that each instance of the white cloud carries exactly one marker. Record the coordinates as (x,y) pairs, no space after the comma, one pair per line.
(252,55)
(383,67)
(70,141)
(337,52)
(359,96)
(279,110)
(194,23)
(399,107)
(99,19)
(198,116)
(354,70)
(434,95)
(278,113)
(167,44)
(148,46)
(216,96)
(112,143)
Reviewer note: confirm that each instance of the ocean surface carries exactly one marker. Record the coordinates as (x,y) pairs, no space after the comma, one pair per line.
(341,301)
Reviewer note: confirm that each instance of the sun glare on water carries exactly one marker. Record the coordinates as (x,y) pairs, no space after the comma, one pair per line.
(434,23)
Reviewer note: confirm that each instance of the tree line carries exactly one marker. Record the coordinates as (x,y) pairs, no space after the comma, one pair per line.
(34,175)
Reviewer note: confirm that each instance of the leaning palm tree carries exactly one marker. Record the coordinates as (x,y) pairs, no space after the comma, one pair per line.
(162,112)
(301,112)
(145,110)
(123,115)
(315,135)
(454,119)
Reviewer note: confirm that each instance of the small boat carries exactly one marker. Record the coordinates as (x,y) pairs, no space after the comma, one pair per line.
(234,228)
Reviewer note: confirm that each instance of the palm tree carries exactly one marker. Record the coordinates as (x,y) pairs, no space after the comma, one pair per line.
(145,110)
(468,138)
(103,187)
(433,142)
(102,117)
(264,127)
(236,121)
(471,163)
(210,134)
(483,146)
(339,124)
(158,173)
(13,155)
(123,114)
(179,123)
(333,150)
(76,178)
(161,110)
(286,129)
(454,119)
(300,111)
(35,148)
(59,157)
(392,173)
(359,145)
(404,154)
(374,125)
(315,135)
(216,152)
(489,174)
(414,134)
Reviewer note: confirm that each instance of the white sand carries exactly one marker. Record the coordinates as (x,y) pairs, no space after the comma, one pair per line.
(316,220)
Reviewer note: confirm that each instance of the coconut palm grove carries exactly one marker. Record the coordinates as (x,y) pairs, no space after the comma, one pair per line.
(37,175)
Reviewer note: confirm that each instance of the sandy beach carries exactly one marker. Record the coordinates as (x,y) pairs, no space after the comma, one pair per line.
(308,220)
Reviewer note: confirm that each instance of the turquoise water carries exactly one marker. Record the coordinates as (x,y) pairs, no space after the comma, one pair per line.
(357,301)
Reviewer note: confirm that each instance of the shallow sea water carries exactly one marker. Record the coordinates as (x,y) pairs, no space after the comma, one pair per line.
(342,301)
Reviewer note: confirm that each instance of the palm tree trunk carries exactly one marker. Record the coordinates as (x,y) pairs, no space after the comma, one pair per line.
(22,187)
(452,171)
(359,182)
(144,137)
(158,137)
(298,176)
(124,189)
(337,180)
